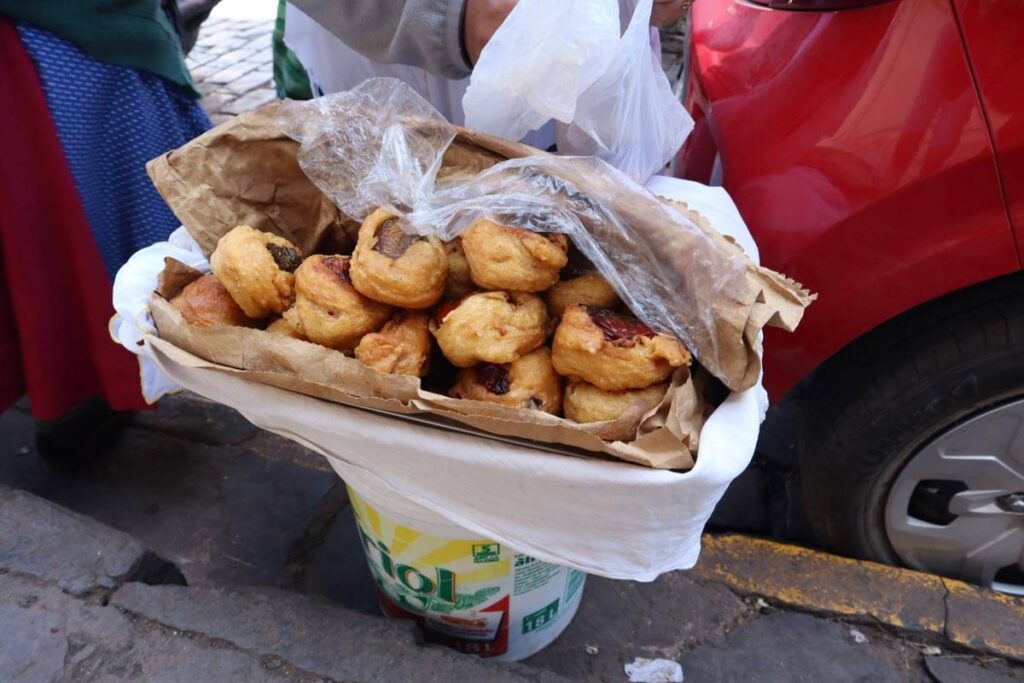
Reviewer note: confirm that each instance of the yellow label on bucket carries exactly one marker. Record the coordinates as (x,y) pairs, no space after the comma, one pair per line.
(471,594)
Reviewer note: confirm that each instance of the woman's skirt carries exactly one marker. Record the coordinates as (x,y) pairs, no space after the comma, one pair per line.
(75,203)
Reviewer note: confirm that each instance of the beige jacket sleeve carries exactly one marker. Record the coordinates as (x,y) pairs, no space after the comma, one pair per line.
(423,33)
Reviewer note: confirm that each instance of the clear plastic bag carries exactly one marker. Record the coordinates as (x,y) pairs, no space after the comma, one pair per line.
(381,144)
(565,60)
(535,66)
(629,116)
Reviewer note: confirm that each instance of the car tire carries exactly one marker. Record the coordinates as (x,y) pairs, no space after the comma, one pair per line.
(873,407)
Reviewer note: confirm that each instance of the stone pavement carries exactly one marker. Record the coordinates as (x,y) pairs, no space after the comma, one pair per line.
(233,66)
(278,589)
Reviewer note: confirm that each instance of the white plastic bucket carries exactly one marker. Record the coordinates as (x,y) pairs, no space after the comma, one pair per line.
(471,594)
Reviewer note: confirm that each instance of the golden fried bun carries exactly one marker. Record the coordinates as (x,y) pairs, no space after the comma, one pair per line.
(328,308)
(460,282)
(257,268)
(586,403)
(491,327)
(529,382)
(286,325)
(502,257)
(204,301)
(402,347)
(589,289)
(396,268)
(613,351)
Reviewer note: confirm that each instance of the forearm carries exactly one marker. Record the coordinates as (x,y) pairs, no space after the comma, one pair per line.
(423,33)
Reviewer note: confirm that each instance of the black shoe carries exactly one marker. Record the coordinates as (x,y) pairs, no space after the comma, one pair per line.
(85,433)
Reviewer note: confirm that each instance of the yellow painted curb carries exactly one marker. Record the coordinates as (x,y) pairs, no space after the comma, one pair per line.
(980,619)
(903,599)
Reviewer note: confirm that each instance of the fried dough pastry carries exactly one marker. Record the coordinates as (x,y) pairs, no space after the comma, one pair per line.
(491,327)
(579,283)
(589,289)
(505,258)
(328,309)
(530,382)
(287,325)
(204,301)
(393,267)
(460,282)
(402,347)
(586,403)
(257,268)
(613,351)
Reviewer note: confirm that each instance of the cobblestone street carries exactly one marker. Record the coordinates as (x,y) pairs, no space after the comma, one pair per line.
(232,64)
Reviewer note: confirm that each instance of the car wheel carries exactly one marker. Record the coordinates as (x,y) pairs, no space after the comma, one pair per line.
(913,446)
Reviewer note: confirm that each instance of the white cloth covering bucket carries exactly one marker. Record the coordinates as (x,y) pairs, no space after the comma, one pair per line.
(473,594)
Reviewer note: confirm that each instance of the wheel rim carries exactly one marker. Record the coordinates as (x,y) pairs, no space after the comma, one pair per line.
(957,506)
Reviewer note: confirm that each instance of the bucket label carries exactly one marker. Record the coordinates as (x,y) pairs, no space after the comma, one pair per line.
(541,618)
(464,593)
(486,552)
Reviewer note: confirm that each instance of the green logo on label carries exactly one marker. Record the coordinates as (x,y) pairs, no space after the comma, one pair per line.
(540,618)
(486,552)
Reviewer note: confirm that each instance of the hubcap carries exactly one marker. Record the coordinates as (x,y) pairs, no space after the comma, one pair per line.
(957,507)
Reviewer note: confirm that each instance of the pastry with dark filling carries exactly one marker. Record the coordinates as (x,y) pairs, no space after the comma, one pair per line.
(257,268)
(613,351)
(530,382)
(328,309)
(397,268)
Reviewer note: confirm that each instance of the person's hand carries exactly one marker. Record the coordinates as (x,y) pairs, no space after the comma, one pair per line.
(668,12)
(482,19)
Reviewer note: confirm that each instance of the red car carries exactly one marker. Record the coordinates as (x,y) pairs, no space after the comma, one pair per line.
(876,151)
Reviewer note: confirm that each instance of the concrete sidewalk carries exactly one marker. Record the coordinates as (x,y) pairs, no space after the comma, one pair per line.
(262,533)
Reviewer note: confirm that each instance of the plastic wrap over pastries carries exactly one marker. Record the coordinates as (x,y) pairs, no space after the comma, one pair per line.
(439,222)
(381,144)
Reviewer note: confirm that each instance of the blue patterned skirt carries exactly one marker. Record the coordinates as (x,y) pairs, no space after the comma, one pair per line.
(111,120)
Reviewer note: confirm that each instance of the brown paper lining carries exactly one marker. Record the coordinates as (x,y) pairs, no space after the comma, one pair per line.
(666,436)
(245,171)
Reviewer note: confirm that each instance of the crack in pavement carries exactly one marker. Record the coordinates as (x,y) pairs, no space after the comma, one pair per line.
(301,551)
(266,659)
(945,609)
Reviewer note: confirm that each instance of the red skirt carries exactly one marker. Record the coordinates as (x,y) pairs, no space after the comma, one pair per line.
(55,293)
